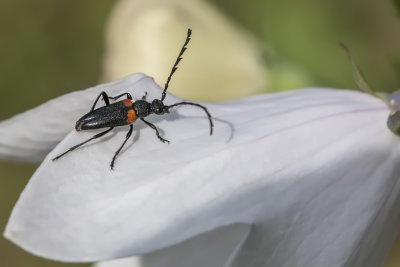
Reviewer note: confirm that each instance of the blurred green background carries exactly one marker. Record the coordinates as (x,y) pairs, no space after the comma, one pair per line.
(49,48)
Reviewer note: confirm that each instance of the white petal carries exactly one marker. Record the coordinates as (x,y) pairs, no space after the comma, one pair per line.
(124,262)
(314,171)
(31,135)
(211,249)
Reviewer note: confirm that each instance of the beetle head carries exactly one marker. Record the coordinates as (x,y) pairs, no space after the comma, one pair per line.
(158,107)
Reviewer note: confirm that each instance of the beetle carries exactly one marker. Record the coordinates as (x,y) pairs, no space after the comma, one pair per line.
(127,111)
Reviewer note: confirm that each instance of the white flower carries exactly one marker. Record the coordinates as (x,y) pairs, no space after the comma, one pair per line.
(302,178)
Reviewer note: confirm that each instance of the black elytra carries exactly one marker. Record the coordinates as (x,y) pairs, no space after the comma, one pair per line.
(125,112)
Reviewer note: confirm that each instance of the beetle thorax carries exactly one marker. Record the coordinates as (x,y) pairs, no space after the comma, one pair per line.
(142,108)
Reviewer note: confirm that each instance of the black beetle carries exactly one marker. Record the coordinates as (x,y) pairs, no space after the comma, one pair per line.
(126,112)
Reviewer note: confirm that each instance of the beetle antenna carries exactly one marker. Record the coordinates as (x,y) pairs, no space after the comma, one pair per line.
(175,67)
(200,106)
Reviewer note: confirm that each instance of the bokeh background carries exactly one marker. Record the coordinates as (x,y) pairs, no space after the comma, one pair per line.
(49,48)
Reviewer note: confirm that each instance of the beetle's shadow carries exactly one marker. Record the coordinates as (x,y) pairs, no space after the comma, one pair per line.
(173,115)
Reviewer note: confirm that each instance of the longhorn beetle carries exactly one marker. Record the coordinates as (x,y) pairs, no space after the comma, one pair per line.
(126,112)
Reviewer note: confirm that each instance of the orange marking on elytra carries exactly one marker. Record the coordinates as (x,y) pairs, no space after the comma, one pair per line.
(131,116)
(127,103)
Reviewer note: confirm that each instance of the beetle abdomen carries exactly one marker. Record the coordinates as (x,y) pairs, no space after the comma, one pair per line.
(116,114)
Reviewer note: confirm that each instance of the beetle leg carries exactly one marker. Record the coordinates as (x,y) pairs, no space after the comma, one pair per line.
(105,98)
(155,129)
(128,96)
(145,95)
(78,145)
(120,148)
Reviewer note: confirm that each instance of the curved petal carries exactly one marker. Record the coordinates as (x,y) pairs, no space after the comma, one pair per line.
(31,135)
(314,171)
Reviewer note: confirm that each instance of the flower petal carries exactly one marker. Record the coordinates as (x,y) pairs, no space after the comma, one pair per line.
(30,136)
(211,249)
(124,262)
(314,171)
